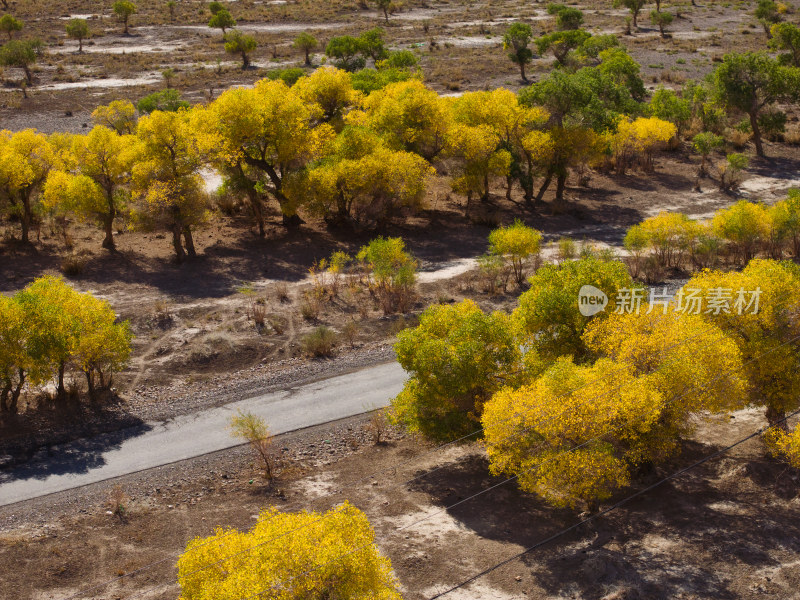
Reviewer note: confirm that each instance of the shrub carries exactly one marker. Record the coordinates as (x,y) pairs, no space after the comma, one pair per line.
(668,235)
(567,248)
(377,425)
(745,226)
(117,502)
(704,144)
(730,171)
(320,342)
(253,430)
(494,271)
(519,245)
(548,318)
(325,555)
(73,265)
(165,100)
(392,273)
(457,357)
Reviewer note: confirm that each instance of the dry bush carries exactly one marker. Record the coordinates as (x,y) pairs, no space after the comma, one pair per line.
(117,502)
(350,333)
(258,313)
(278,325)
(320,342)
(253,430)
(74,265)
(311,305)
(792,135)
(163,315)
(377,425)
(738,139)
(567,248)
(282,293)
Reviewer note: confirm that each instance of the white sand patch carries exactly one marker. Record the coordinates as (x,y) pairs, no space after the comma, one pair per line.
(475,591)
(212,179)
(263,27)
(727,507)
(121,48)
(430,524)
(756,185)
(471,41)
(317,486)
(111,82)
(448,270)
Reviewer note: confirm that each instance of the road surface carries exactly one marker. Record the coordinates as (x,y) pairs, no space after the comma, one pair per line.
(155,444)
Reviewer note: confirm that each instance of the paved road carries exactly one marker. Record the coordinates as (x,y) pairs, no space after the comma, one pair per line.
(156,444)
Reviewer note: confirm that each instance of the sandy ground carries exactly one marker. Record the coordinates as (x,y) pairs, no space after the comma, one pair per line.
(727,529)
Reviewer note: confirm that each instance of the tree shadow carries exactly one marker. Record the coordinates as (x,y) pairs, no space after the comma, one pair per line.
(60,439)
(667,543)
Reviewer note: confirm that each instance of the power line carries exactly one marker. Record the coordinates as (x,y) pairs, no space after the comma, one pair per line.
(444,509)
(373,476)
(611,508)
(522,431)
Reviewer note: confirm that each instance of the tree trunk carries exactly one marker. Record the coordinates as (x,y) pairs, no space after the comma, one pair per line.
(108,226)
(189,240)
(80,45)
(561,183)
(180,255)
(756,134)
(125,22)
(245,61)
(522,71)
(308,58)
(61,391)
(509,184)
(90,384)
(543,189)
(385,14)
(26,216)
(28,74)
(776,418)
(485,195)
(635,15)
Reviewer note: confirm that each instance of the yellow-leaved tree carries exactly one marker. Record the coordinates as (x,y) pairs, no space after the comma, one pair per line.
(290,556)
(168,158)
(758,308)
(691,362)
(265,134)
(457,358)
(409,115)
(96,186)
(637,139)
(119,115)
(67,328)
(477,159)
(362,181)
(517,126)
(331,90)
(26,157)
(567,436)
(745,226)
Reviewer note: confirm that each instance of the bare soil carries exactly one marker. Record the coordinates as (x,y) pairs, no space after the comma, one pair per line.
(727,529)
